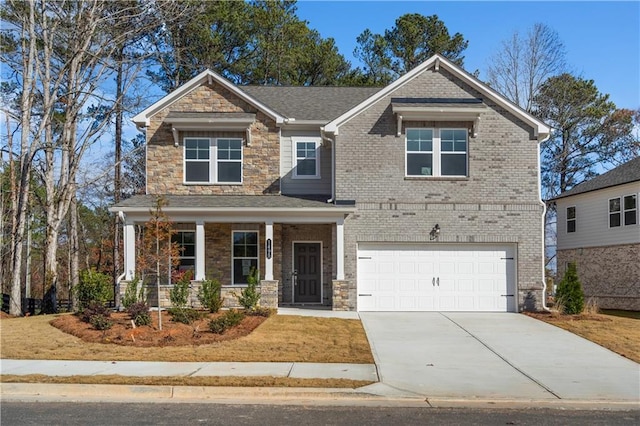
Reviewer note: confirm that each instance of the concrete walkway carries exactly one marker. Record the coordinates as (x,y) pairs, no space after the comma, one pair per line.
(493,356)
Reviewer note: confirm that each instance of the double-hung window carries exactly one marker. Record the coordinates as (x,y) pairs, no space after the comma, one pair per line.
(212,160)
(245,255)
(615,215)
(630,205)
(186,241)
(571,219)
(306,158)
(436,152)
(623,210)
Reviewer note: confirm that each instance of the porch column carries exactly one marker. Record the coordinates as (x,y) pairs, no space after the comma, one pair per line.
(129,250)
(268,241)
(200,255)
(340,249)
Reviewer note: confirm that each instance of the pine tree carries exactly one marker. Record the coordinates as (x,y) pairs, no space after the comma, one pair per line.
(569,293)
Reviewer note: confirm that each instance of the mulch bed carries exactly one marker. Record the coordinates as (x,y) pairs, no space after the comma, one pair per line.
(557,317)
(172,334)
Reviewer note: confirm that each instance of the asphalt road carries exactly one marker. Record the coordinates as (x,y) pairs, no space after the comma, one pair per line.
(76,413)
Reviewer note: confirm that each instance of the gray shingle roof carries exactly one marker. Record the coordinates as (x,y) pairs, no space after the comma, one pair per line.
(625,173)
(226,201)
(310,103)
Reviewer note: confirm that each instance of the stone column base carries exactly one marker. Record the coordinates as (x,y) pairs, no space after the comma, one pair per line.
(343,296)
(269,294)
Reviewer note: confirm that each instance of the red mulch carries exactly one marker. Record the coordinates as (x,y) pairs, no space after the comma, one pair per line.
(172,334)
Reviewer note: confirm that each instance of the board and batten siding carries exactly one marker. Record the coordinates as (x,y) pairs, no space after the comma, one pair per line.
(298,186)
(592,219)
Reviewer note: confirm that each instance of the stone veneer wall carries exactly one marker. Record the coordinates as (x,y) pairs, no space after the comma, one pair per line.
(165,164)
(609,275)
(302,233)
(497,202)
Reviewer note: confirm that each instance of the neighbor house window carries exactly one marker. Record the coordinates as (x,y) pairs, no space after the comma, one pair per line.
(245,255)
(306,158)
(630,209)
(571,219)
(614,213)
(436,152)
(212,160)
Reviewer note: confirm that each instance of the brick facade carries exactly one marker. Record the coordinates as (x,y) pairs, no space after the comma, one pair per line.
(497,202)
(609,275)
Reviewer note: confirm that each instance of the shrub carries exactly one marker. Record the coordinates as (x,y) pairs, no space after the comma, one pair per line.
(131,294)
(185,315)
(227,320)
(249,296)
(179,293)
(100,322)
(209,295)
(92,309)
(139,312)
(261,312)
(93,287)
(569,293)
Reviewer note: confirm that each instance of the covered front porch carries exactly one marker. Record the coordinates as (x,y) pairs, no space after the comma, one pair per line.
(296,244)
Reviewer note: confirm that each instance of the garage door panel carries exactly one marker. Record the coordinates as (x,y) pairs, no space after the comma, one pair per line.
(444,277)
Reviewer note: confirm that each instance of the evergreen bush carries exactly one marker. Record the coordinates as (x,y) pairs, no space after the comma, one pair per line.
(227,320)
(139,312)
(209,295)
(131,294)
(569,293)
(93,287)
(249,296)
(179,293)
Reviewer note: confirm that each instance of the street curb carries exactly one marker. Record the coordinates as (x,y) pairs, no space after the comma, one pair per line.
(46,392)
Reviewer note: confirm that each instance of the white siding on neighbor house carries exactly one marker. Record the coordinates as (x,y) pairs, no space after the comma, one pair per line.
(592,219)
(297,186)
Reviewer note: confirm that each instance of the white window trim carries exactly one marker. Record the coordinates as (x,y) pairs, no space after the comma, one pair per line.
(294,156)
(213,161)
(623,221)
(619,212)
(233,258)
(575,219)
(436,152)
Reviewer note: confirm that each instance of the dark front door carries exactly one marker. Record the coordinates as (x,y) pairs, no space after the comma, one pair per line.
(307,277)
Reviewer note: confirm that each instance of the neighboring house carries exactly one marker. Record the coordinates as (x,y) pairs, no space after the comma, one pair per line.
(422,195)
(599,230)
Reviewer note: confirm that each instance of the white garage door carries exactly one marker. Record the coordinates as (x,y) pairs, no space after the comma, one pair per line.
(442,277)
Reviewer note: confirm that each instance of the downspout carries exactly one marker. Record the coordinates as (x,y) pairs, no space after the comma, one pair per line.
(333,164)
(544,241)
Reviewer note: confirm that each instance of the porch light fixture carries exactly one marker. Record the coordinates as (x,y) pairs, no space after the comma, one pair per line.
(435,232)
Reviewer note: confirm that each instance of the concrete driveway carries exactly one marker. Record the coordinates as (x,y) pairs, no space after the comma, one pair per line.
(493,356)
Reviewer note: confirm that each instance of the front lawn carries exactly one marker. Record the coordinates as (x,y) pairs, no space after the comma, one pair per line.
(278,339)
(618,333)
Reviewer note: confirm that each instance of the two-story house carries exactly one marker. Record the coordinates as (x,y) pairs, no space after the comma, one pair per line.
(422,195)
(598,229)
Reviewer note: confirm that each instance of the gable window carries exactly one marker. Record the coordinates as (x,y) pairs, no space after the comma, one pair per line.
(436,152)
(630,209)
(306,158)
(212,160)
(571,219)
(245,255)
(614,213)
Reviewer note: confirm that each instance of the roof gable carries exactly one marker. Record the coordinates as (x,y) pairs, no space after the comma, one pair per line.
(541,130)
(623,174)
(142,119)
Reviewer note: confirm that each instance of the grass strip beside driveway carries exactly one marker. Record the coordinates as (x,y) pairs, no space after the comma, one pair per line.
(279,339)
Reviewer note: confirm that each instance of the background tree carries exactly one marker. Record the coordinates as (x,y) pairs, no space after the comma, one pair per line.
(590,133)
(523,63)
(412,40)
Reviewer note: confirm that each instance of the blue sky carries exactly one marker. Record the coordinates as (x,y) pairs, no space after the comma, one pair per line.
(602,39)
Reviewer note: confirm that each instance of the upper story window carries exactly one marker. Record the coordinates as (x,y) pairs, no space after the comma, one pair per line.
(614,213)
(630,209)
(212,160)
(571,219)
(436,152)
(306,158)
